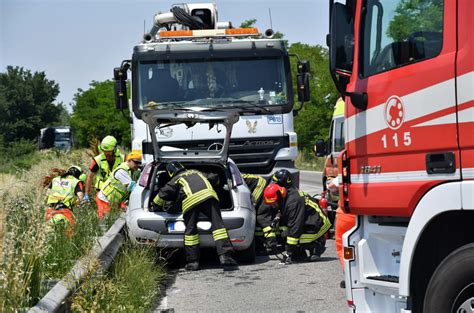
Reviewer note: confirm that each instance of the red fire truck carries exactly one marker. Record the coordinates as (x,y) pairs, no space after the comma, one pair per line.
(406,70)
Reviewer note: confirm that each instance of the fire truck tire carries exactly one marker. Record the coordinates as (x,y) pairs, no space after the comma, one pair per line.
(451,289)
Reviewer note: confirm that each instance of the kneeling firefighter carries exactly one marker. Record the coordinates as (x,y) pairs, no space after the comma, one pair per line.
(193,192)
(305,220)
(64,191)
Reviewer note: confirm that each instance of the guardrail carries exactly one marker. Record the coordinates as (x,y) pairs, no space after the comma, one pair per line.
(104,250)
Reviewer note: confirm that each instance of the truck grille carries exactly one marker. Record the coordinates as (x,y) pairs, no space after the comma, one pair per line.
(256,155)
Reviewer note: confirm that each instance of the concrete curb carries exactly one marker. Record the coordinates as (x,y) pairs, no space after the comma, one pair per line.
(104,250)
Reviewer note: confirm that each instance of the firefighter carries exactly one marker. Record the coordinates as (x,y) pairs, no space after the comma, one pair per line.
(117,187)
(65,190)
(267,215)
(256,185)
(193,192)
(103,164)
(305,220)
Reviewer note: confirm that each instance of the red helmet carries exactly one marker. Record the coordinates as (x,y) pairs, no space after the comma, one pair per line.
(272,193)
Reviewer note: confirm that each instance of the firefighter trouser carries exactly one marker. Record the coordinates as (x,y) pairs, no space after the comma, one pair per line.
(211,210)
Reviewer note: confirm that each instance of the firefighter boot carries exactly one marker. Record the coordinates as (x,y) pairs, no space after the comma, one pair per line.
(192,266)
(315,253)
(227,262)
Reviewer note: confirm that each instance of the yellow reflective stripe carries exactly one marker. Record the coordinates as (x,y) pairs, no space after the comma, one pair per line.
(284,228)
(267,229)
(259,188)
(220,237)
(191,240)
(219,231)
(158,200)
(197,197)
(326,222)
(292,240)
(269,235)
(259,233)
(208,184)
(186,188)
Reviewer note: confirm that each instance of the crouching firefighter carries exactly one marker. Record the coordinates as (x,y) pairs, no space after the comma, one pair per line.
(193,192)
(64,192)
(306,222)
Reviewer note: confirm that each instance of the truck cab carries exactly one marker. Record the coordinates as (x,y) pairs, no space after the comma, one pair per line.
(217,67)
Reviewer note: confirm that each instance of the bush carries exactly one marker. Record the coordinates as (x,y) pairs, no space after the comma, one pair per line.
(306,160)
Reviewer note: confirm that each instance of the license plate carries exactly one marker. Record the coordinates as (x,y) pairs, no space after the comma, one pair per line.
(176,226)
(179,226)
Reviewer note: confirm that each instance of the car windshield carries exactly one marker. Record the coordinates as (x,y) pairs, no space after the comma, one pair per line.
(215,83)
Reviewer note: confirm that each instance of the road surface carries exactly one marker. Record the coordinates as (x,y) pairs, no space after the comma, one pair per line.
(265,286)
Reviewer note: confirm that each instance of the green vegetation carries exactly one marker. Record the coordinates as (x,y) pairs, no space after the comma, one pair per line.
(94,115)
(306,160)
(31,252)
(131,285)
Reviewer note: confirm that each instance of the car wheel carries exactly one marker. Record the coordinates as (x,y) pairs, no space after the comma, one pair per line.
(451,289)
(247,255)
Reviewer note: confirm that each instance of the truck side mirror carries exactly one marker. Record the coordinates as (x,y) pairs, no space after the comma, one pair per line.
(303,81)
(120,88)
(320,148)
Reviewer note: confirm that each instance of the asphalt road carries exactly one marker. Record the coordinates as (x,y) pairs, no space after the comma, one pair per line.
(265,286)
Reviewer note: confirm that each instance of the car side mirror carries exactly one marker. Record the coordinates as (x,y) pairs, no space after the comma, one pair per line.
(320,148)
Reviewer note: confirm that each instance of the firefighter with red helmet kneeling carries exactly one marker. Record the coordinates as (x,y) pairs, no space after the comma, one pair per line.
(307,223)
(194,194)
(65,190)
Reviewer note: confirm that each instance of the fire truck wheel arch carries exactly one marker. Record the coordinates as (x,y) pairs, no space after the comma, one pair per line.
(443,198)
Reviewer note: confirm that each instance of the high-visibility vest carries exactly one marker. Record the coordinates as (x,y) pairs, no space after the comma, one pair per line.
(114,189)
(62,190)
(104,169)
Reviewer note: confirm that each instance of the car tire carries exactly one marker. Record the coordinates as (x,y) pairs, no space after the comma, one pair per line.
(451,289)
(247,255)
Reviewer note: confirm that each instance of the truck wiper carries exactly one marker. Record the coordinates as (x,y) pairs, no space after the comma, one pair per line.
(250,105)
(164,105)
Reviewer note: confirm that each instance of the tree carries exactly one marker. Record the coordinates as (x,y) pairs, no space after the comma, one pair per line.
(414,16)
(94,115)
(26,104)
(314,119)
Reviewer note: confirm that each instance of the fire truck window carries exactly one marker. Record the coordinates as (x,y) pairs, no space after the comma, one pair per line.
(339,134)
(399,33)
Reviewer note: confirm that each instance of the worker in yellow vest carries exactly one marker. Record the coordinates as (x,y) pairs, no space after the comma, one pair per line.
(118,186)
(102,165)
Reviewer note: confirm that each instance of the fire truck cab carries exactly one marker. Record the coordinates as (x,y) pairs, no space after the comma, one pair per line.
(406,71)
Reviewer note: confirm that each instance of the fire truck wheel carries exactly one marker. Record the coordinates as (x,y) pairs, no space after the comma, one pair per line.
(451,289)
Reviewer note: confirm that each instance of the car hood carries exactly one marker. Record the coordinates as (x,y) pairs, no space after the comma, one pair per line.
(216,121)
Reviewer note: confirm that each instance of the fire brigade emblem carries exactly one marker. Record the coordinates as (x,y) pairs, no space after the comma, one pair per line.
(394,112)
(252,127)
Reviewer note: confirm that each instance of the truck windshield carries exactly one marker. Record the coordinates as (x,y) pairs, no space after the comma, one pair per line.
(215,83)
(62,136)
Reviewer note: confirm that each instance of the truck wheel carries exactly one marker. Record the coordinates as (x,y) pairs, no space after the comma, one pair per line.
(247,255)
(451,289)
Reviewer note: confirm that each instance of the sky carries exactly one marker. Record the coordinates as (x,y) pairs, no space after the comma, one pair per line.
(78,41)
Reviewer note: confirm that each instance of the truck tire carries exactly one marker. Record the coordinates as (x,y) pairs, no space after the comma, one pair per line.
(451,289)
(247,255)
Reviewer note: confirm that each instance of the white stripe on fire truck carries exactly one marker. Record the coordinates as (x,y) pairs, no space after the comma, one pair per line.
(464,116)
(441,96)
(468,173)
(396,177)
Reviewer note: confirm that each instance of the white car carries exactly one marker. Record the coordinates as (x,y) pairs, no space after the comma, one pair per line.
(150,225)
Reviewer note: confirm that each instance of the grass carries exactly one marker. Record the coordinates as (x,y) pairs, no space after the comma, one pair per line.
(131,285)
(308,161)
(32,252)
